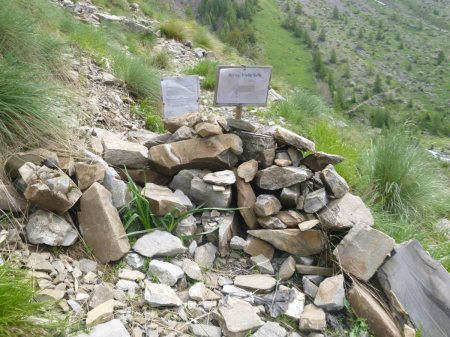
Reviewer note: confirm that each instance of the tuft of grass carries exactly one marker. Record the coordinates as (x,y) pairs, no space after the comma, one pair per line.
(202,38)
(174,29)
(207,69)
(161,60)
(22,39)
(403,179)
(301,107)
(20,314)
(30,110)
(139,218)
(424,230)
(149,110)
(329,138)
(84,36)
(140,80)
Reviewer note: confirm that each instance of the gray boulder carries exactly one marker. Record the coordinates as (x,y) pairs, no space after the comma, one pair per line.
(50,229)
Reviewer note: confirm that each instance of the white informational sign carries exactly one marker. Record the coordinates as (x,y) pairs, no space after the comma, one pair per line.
(180,95)
(242,85)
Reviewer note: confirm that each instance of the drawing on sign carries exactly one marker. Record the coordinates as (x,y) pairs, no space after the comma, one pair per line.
(180,95)
(242,85)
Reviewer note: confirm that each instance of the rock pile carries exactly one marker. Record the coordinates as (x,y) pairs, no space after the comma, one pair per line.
(288,200)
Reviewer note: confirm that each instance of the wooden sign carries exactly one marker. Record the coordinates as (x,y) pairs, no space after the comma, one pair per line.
(242,85)
(180,95)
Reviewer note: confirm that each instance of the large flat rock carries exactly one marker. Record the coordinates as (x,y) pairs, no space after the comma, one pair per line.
(161,199)
(258,147)
(114,328)
(215,153)
(276,177)
(365,305)
(101,226)
(246,199)
(287,137)
(362,251)
(123,153)
(293,241)
(421,285)
(49,189)
(345,212)
(50,229)
(159,243)
(237,318)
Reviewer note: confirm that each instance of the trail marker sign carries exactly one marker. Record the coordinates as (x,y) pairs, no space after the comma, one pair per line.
(242,85)
(180,95)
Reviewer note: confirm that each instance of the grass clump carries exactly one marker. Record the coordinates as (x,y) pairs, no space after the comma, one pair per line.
(207,69)
(20,314)
(173,29)
(161,60)
(202,38)
(29,108)
(301,107)
(23,40)
(139,218)
(403,179)
(150,112)
(140,80)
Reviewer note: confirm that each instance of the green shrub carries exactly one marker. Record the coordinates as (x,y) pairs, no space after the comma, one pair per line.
(173,29)
(20,314)
(403,179)
(161,60)
(140,80)
(30,109)
(207,69)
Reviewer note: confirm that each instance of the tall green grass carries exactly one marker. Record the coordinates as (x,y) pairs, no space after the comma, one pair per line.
(140,80)
(31,111)
(403,179)
(22,39)
(174,29)
(20,314)
(207,69)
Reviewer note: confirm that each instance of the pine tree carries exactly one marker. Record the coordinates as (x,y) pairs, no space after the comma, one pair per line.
(333,56)
(440,57)
(377,85)
(335,13)
(322,35)
(313,24)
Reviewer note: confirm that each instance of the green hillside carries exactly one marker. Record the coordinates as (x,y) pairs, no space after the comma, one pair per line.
(291,62)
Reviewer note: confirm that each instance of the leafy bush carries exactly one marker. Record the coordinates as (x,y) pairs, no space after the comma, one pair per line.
(402,178)
(207,69)
(20,314)
(173,29)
